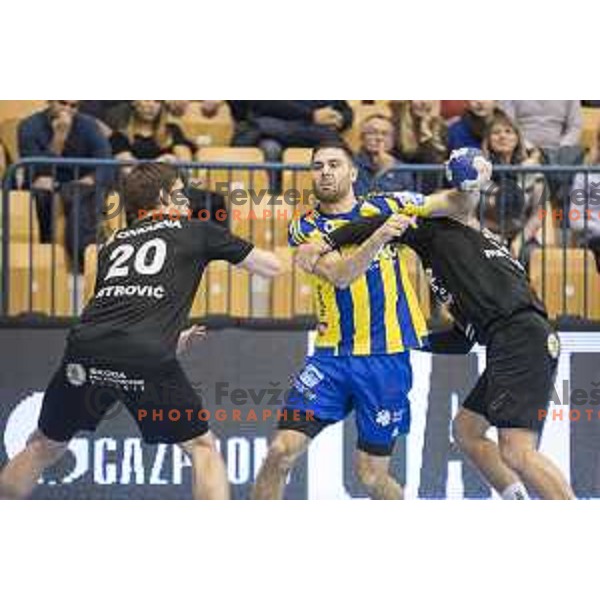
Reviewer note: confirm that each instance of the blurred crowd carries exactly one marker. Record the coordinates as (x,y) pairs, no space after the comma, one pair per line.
(383,135)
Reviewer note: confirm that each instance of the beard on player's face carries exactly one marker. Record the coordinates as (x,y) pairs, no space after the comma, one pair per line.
(330,190)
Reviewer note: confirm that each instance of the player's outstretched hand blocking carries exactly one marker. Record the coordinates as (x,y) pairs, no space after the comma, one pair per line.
(468,170)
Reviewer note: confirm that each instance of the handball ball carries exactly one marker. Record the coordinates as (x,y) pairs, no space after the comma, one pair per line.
(467,169)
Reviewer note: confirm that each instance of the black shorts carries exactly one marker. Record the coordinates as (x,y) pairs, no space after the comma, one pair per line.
(160,399)
(518,382)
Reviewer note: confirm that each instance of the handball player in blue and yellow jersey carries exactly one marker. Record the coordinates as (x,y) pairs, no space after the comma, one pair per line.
(368,320)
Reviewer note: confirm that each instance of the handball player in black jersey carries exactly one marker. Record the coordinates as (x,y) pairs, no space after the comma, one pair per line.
(488,294)
(123,349)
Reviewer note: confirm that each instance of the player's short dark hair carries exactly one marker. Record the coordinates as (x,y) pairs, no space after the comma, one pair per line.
(143,185)
(339,144)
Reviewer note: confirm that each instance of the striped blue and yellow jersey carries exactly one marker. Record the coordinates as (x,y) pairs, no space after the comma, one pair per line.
(379,312)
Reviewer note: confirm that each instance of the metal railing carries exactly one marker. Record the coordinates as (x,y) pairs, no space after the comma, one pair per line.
(43,243)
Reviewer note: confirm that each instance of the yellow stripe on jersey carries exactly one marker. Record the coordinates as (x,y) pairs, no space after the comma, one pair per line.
(330,334)
(392,325)
(377,313)
(362,317)
(369,210)
(418,319)
(392,204)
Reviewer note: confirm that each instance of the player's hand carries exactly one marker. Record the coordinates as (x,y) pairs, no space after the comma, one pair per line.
(394,227)
(308,254)
(189,337)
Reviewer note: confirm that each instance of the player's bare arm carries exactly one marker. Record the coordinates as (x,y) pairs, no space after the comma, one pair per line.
(262,262)
(446,203)
(342,270)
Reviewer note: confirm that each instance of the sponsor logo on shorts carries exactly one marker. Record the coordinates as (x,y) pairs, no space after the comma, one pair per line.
(311,376)
(118,379)
(306,381)
(76,374)
(553,345)
(385,417)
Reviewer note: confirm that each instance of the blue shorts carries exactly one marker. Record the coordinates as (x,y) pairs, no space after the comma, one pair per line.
(376,387)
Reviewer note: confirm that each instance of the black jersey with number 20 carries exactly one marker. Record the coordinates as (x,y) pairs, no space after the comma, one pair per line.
(147,279)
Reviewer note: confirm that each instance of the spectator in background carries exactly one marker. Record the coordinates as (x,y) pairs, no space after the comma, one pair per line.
(421,138)
(512,203)
(107,112)
(585,196)
(375,161)
(60,131)
(470,129)
(149,135)
(115,114)
(274,125)
(554,126)
(547,124)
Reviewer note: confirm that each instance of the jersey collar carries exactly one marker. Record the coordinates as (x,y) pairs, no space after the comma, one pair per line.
(347,215)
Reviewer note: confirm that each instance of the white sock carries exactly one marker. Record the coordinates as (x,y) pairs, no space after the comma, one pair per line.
(515,491)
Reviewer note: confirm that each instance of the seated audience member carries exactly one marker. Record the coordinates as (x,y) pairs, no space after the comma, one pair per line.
(115,114)
(469,130)
(421,138)
(585,196)
(554,126)
(275,125)
(375,162)
(547,124)
(148,134)
(107,112)
(513,200)
(60,131)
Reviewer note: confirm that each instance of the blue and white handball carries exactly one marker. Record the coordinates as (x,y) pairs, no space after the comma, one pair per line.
(467,169)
